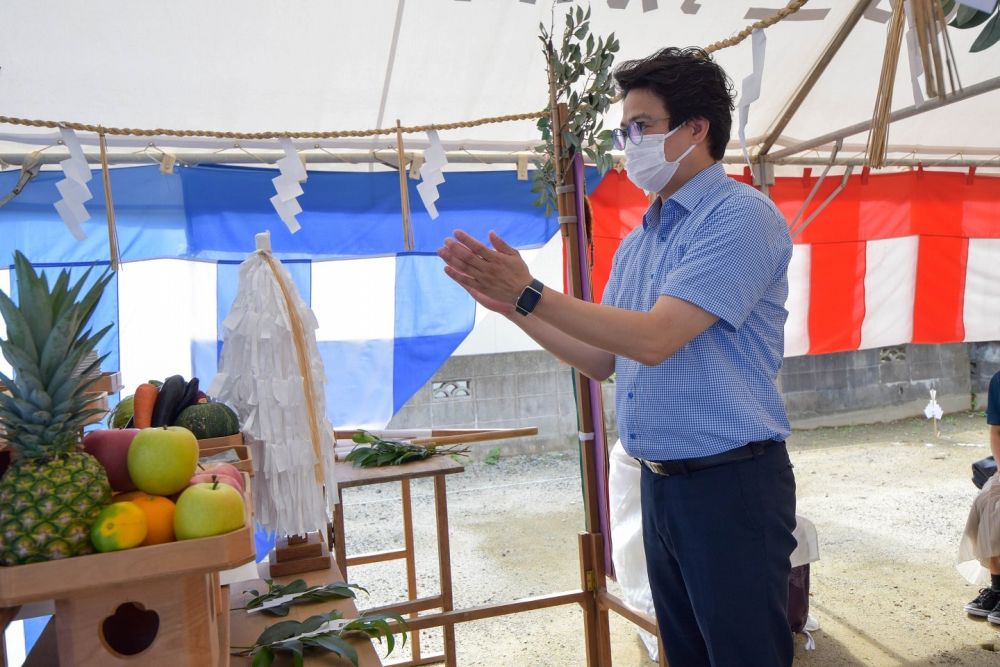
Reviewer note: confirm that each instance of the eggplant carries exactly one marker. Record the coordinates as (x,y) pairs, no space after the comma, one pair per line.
(167,401)
(189,397)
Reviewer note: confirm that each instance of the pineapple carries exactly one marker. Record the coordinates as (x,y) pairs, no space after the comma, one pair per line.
(53,490)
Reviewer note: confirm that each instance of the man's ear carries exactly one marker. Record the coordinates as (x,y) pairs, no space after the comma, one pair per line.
(699,129)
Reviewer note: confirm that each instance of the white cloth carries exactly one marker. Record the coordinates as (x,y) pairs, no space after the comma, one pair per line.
(981,537)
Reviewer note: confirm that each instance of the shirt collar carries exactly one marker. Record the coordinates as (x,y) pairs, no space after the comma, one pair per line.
(689,194)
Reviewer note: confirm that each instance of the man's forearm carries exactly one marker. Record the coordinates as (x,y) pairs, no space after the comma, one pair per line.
(995,441)
(589,360)
(647,337)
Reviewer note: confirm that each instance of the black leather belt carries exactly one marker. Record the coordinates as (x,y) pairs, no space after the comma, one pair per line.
(687,466)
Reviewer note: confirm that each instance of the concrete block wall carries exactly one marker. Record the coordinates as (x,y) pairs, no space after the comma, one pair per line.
(506,390)
(874,385)
(534,389)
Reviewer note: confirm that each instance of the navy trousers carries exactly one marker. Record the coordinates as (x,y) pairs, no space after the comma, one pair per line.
(717,545)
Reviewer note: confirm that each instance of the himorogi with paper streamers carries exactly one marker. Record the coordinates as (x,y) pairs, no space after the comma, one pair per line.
(271,372)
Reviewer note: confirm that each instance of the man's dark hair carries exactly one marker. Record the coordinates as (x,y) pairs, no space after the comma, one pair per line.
(690,84)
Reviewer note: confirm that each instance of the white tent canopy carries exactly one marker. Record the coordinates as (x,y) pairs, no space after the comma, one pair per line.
(313,65)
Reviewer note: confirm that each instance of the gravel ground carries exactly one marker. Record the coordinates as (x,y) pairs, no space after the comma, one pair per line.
(888,501)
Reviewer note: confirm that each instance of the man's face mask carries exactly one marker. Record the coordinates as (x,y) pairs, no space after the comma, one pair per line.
(646,164)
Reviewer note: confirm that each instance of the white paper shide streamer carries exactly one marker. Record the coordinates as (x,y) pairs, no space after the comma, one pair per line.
(430,173)
(73,188)
(288,186)
(751,87)
(259,375)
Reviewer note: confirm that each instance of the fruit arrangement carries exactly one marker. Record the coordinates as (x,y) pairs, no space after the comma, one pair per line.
(56,495)
(164,493)
(175,402)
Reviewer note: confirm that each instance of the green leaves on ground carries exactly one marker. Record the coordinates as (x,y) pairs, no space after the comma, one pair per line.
(371,451)
(303,594)
(299,638)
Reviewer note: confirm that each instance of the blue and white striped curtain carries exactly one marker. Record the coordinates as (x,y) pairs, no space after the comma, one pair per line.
(388,318)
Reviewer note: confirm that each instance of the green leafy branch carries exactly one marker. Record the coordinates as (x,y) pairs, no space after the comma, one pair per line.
(371,451)
(303,594)
(299,638)
(580,71)
(967,17)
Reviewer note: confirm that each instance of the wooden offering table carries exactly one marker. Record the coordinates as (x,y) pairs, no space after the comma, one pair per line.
(436,467)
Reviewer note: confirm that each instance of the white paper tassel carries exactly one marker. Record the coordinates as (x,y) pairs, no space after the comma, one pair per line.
(434,159)
(73,188)
(287,185)
(751,88)
(259,375)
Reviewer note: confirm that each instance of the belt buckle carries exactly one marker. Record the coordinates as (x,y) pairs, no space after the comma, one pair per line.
(659,469)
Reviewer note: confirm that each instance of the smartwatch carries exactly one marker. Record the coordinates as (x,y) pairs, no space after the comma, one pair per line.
(530,296)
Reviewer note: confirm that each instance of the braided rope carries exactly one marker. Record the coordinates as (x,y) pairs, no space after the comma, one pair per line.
(792,7)
(780,15)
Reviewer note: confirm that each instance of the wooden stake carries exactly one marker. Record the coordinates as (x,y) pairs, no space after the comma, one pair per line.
(404,192)
(109,204)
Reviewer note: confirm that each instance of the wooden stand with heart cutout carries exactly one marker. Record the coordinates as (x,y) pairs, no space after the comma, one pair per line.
(155,606)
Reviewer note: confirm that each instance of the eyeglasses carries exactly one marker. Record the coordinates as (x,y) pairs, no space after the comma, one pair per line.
(633,131)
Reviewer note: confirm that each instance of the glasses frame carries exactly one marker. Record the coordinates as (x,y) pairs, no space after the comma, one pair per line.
(634,131)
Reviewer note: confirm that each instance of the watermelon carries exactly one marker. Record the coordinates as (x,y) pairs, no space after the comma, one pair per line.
(122,412)
(209,420)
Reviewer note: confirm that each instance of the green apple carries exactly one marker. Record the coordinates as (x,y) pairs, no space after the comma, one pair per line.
(162,459)
(209,508)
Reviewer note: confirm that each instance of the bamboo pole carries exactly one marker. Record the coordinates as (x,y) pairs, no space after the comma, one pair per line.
(109,205)
(592,568)
(878,136)
(404,191)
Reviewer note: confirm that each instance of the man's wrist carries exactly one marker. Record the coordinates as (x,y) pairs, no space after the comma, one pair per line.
(529,297)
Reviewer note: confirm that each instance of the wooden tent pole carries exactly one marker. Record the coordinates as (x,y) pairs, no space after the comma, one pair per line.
(817,70)
(987,86)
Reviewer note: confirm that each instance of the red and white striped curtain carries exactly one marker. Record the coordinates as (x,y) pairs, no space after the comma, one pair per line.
(910,257)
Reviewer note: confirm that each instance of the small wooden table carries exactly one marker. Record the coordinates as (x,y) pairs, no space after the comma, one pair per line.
(244,628)
(437,467)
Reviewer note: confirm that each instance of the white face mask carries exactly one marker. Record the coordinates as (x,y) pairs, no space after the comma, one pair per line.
(646,164)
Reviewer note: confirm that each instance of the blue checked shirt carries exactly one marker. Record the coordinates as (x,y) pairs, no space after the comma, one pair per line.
(724,247)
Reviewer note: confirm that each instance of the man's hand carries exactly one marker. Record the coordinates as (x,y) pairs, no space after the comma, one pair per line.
(496,276)
(500,307)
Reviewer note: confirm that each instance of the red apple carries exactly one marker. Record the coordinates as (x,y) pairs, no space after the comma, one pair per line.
(207,478)
(220,468)
(110,447)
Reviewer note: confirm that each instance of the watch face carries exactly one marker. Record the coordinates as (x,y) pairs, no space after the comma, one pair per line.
(529,298)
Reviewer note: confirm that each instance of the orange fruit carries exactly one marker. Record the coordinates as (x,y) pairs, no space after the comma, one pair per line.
(159,512)
(120,525)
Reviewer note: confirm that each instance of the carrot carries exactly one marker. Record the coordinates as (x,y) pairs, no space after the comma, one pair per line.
(142,410)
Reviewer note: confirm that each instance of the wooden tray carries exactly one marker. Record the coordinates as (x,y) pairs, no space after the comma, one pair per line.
(221,443)
(245,463)
(103,601)
(55,579)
